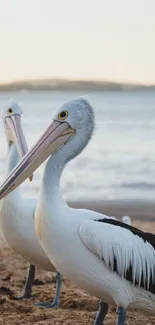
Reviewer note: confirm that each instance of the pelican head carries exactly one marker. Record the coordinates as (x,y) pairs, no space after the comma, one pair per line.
(70,132)
(13,129)
(12,124)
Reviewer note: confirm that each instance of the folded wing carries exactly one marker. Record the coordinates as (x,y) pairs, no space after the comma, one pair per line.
(123,248)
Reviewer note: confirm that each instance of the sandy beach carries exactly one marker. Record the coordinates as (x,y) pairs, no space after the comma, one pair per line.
(77,306)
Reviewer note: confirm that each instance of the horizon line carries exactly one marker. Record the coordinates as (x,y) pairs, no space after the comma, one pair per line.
(65,79)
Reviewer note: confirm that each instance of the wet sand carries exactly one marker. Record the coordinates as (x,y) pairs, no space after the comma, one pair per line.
(77,306)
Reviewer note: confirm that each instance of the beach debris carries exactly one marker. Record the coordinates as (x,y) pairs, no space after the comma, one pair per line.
(6,291)
(38,282)
(2,301)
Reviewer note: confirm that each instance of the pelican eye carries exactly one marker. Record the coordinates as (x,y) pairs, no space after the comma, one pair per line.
(10,110)
(63,115)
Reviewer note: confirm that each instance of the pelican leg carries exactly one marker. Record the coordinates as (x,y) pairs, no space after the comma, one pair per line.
(121,316)
(28,284)
(56,301)
(103,309)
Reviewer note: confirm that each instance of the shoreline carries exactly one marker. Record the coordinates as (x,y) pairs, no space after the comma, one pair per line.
(143,210)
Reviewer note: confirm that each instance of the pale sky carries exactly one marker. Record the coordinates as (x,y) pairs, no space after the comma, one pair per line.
(80,39)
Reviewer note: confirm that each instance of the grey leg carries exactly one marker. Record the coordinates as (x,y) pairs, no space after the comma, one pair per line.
(28,284)
(103,309)
(56,301)
(121,316)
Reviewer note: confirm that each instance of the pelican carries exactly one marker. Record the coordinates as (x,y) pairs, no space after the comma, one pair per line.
(127,220)
(110,259)
(17,213)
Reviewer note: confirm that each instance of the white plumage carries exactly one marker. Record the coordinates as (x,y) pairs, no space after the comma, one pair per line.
(17,213)
(105,240)
(112,260)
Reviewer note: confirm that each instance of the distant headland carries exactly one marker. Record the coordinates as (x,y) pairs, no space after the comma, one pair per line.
(72,85)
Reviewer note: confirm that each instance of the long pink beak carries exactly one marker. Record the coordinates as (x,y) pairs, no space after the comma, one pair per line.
(14,123)
(54,138)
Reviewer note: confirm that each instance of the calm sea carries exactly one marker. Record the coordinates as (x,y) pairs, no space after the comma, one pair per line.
(118,163)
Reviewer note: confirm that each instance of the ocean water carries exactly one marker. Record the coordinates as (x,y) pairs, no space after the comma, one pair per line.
(118,163)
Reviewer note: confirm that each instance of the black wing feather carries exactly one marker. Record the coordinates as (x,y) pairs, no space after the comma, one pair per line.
(147,237)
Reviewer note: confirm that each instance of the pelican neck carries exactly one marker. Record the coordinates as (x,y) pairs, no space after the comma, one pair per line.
(50,186)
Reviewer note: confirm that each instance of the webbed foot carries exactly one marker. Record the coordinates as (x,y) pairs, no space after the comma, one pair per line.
(47,304)
(56,302)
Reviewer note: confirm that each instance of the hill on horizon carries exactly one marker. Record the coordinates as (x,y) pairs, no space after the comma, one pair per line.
(64,85)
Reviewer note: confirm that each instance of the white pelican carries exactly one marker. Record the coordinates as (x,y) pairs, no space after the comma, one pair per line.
(112,260)
(17,213)
(127,220)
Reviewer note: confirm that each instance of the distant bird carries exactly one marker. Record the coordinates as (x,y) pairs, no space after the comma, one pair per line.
(124,219)
(112,260)
(127,220)
(17,213)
